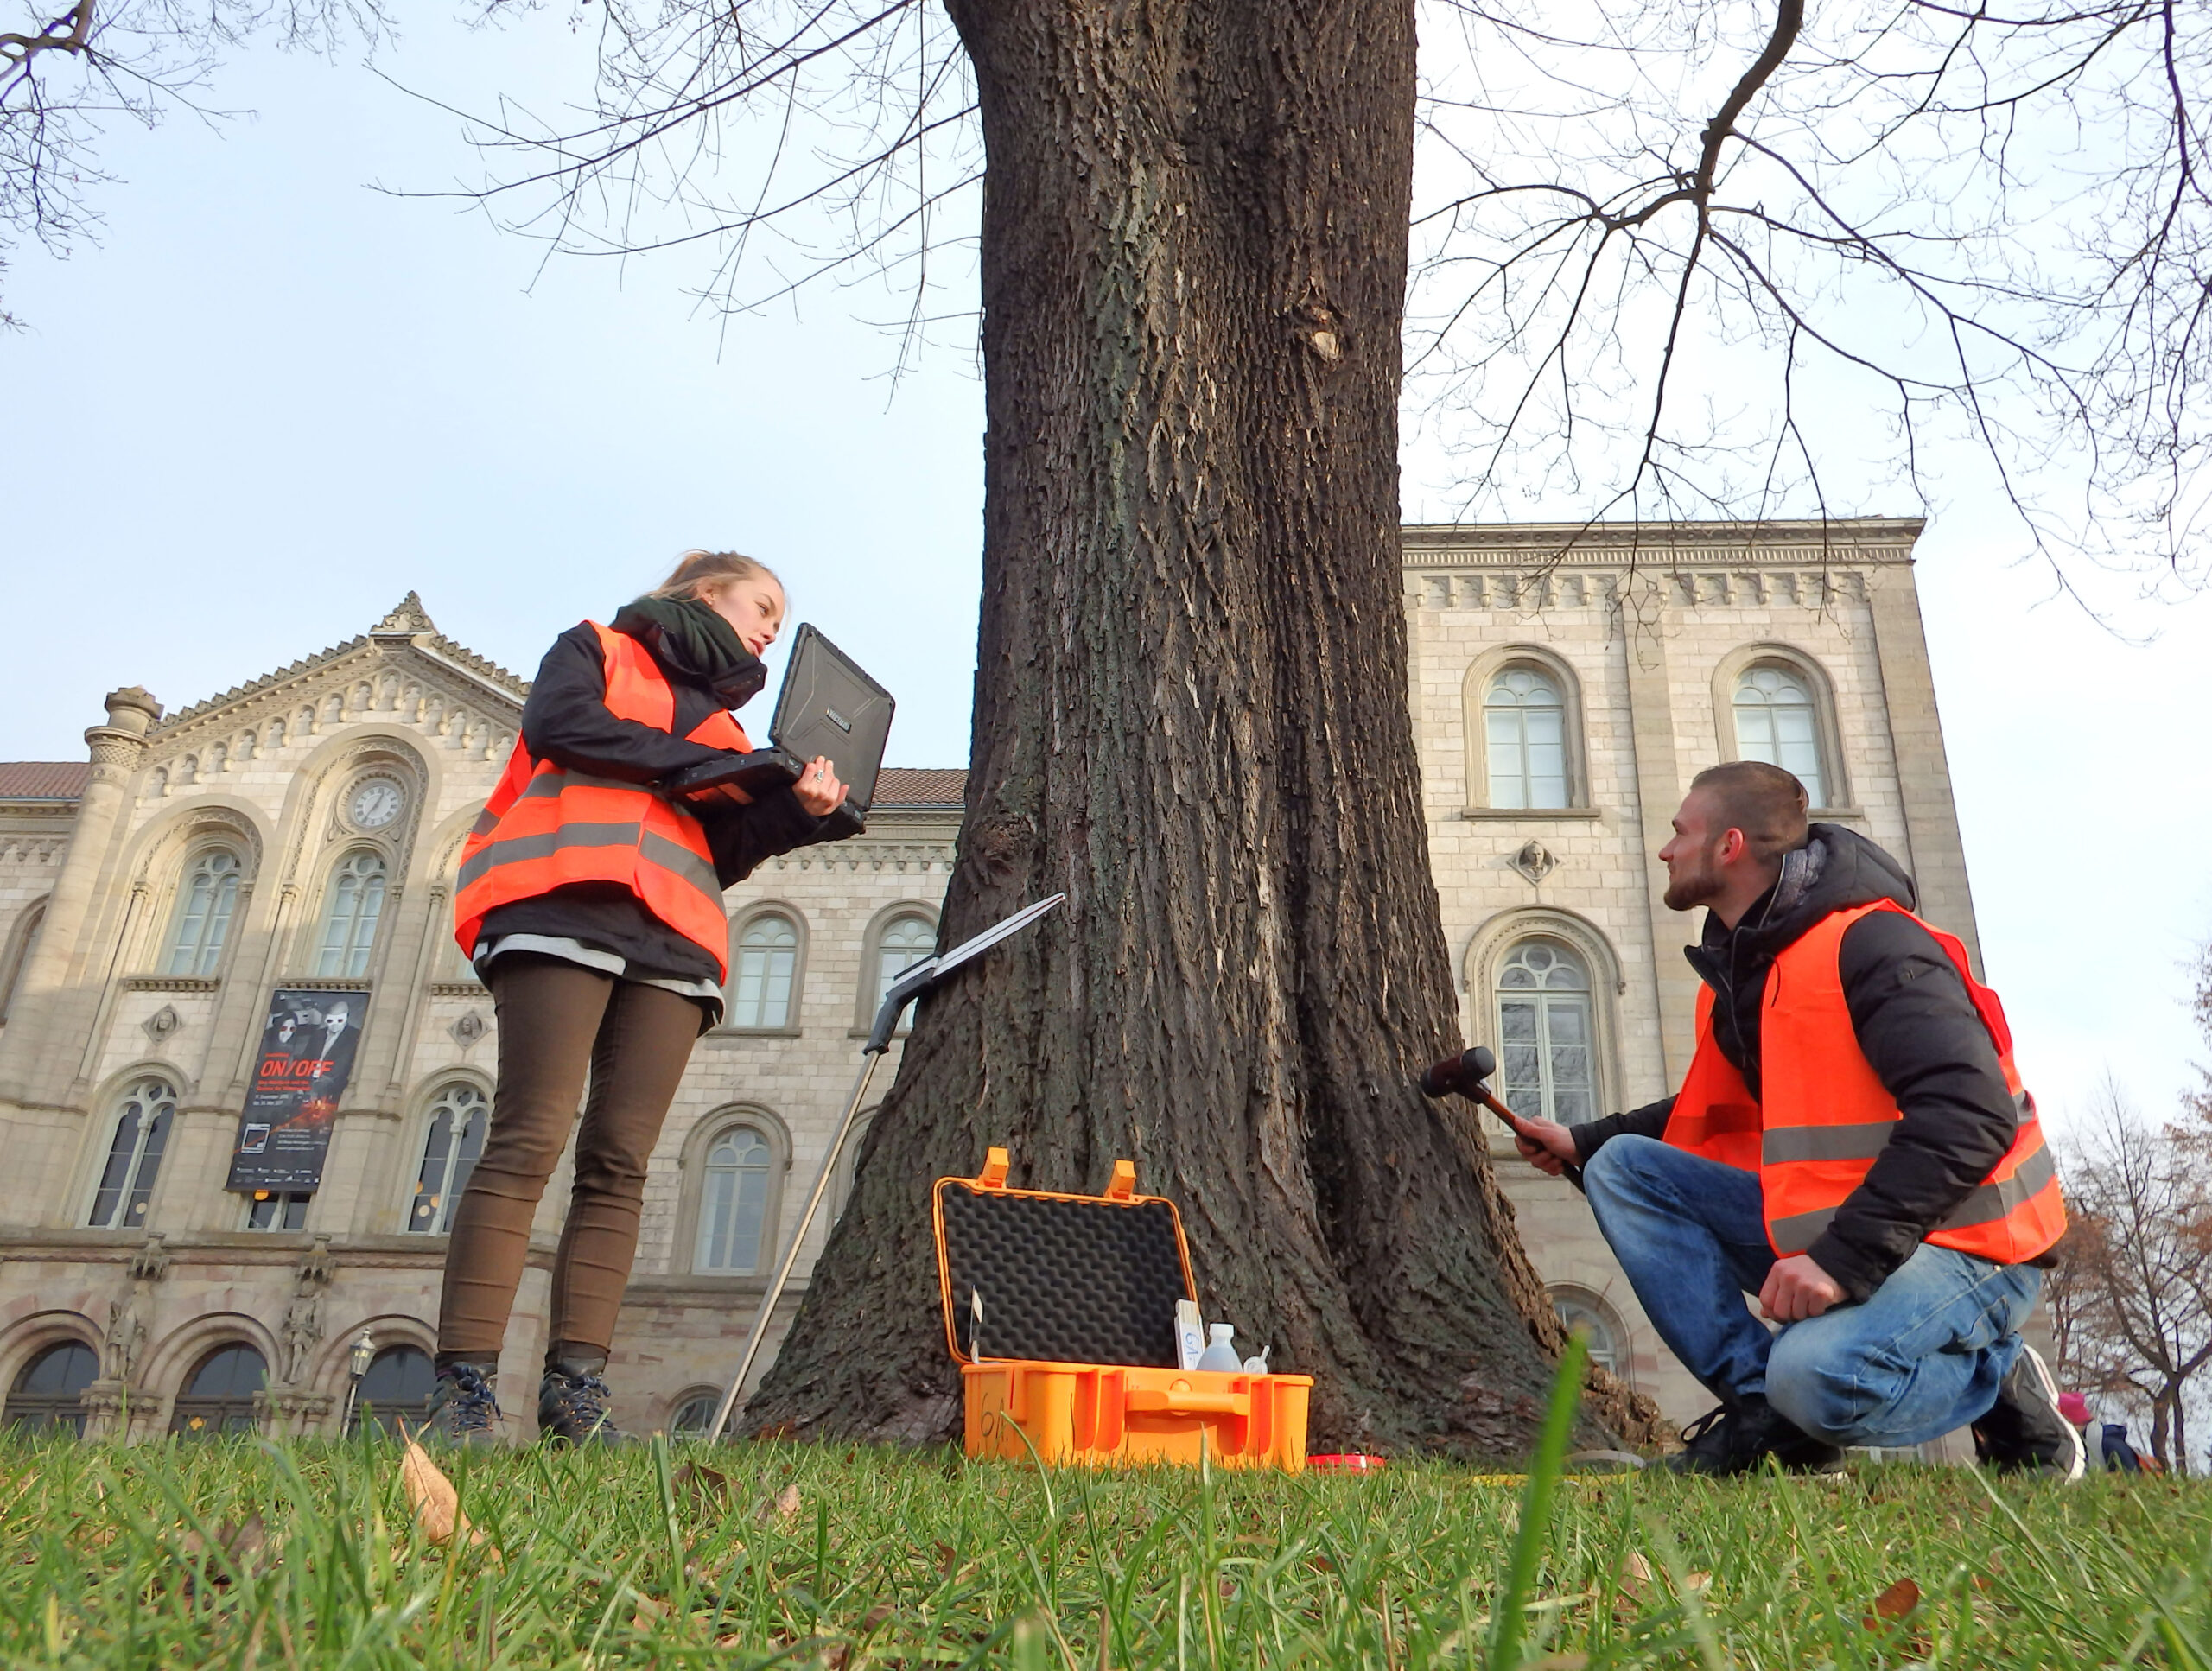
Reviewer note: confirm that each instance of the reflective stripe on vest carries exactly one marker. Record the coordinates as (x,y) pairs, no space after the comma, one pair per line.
(546,828)
(1825,1117)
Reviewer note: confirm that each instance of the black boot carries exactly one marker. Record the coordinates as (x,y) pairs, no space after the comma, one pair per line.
(572,1403)
(463,1406)
(1736,1439)
(2025,1431)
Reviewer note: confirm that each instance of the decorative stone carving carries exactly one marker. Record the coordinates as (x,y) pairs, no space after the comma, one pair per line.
(301,1330)
(152,1260)
(125,1337)
(1534,861)
(470,1028)
(407,618)
(162,1024)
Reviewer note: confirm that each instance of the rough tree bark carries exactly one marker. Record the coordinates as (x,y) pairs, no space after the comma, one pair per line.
(1191,716)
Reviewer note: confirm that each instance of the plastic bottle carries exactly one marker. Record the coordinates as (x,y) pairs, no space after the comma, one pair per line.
(1221,1350)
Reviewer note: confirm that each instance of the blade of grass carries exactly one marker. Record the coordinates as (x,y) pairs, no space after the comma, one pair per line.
(1536,1506)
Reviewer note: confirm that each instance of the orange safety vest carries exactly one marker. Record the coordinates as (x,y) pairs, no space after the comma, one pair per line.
(545,827)
(1824,1117)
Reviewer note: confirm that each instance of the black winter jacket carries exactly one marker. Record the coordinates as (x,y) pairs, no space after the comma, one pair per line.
(1914,1019)
(566,719)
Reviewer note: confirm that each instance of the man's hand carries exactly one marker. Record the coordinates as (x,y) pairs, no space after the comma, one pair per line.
(1545,1145)
(1796,1288)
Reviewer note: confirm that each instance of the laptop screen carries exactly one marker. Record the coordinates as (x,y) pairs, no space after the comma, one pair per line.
(830,706)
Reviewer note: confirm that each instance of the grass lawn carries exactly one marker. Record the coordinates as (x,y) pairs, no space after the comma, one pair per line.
(236,1554)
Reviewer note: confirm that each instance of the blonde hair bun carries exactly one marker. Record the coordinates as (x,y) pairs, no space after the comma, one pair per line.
(700,572)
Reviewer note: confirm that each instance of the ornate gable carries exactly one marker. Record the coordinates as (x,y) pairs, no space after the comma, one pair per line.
(403,668)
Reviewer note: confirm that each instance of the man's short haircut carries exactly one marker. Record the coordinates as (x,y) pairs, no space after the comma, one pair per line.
(1767,803)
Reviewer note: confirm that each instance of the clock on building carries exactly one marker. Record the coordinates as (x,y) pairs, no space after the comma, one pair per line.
(375,804)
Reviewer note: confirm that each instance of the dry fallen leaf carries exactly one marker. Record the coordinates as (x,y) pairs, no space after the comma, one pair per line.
(711,1486)
(1697,1580)
(1894,1603)
(876,1615)
(1562,1662)
(431,1494)
(1636,1573)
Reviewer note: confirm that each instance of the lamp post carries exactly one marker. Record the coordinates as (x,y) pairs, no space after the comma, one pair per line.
(364,1354)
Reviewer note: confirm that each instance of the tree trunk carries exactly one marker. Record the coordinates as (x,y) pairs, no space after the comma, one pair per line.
(1191,716)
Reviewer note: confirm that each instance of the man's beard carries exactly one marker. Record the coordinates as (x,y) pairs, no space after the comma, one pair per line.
(1696,889)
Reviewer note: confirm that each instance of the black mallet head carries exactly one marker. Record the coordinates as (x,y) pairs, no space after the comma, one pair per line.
(1464,1072)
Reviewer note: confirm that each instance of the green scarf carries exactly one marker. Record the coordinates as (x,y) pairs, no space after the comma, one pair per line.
(698,641)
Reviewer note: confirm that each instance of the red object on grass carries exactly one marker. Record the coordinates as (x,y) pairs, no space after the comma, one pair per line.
(1348,1462)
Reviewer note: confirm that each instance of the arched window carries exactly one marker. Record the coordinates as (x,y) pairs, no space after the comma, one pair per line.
(1777,723)
(134,1156)
(452,1144)
(761,983)
(1608,1340)
(203,913)
(1545,1063)
(902,943)
(349,915)
(1524,733)
(733,1203)
(693,1415)
(396,1387)
(48,1396)
(16,956)
(219,1398)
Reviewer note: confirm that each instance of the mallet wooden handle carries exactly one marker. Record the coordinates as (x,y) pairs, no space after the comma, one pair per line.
(1465,1074)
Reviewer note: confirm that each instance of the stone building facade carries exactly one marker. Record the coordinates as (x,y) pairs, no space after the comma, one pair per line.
(302,834)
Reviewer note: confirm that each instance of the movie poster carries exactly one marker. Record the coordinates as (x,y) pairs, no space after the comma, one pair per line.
(306,1056)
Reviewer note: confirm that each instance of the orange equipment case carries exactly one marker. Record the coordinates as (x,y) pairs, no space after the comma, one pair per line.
(1078,1294)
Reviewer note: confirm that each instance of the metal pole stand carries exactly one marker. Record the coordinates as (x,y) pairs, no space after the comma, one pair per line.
(911,985)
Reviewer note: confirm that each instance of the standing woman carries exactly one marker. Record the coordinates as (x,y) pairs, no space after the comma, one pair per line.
(591,904)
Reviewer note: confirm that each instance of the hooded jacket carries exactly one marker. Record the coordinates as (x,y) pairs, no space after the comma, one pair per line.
(566,719)
(1913,1020)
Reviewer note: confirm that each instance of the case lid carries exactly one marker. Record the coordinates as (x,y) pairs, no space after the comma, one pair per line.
(1065,1279)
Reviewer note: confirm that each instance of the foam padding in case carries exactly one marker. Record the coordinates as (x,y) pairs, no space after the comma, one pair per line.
(1065,1279)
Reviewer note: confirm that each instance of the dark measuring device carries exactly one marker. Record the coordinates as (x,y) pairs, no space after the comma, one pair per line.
(829,706)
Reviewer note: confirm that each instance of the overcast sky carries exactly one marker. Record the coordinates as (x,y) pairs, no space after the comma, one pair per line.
(274,400)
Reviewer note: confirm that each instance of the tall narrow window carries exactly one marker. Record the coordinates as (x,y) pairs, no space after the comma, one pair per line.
(904,942)
(1543,1027)
(451,1147)
(1525,730)
(1776,721)
(349,916)
(203,914)
(134,1156)
(733,1203)
(767,962)
(219,1398)
(49,1396)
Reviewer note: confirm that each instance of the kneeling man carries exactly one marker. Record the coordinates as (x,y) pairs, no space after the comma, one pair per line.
(1850,1144)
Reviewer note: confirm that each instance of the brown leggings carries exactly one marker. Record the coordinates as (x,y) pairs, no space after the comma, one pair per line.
(557,1019)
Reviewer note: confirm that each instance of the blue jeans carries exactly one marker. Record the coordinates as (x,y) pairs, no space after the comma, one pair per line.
(1922,1356)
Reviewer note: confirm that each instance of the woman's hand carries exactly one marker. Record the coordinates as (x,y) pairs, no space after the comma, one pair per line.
(818,788)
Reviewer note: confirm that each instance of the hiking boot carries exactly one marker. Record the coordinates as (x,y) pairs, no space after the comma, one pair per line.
(1736,1440)
(2025,1431)
(463,1407)
(572,1409)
